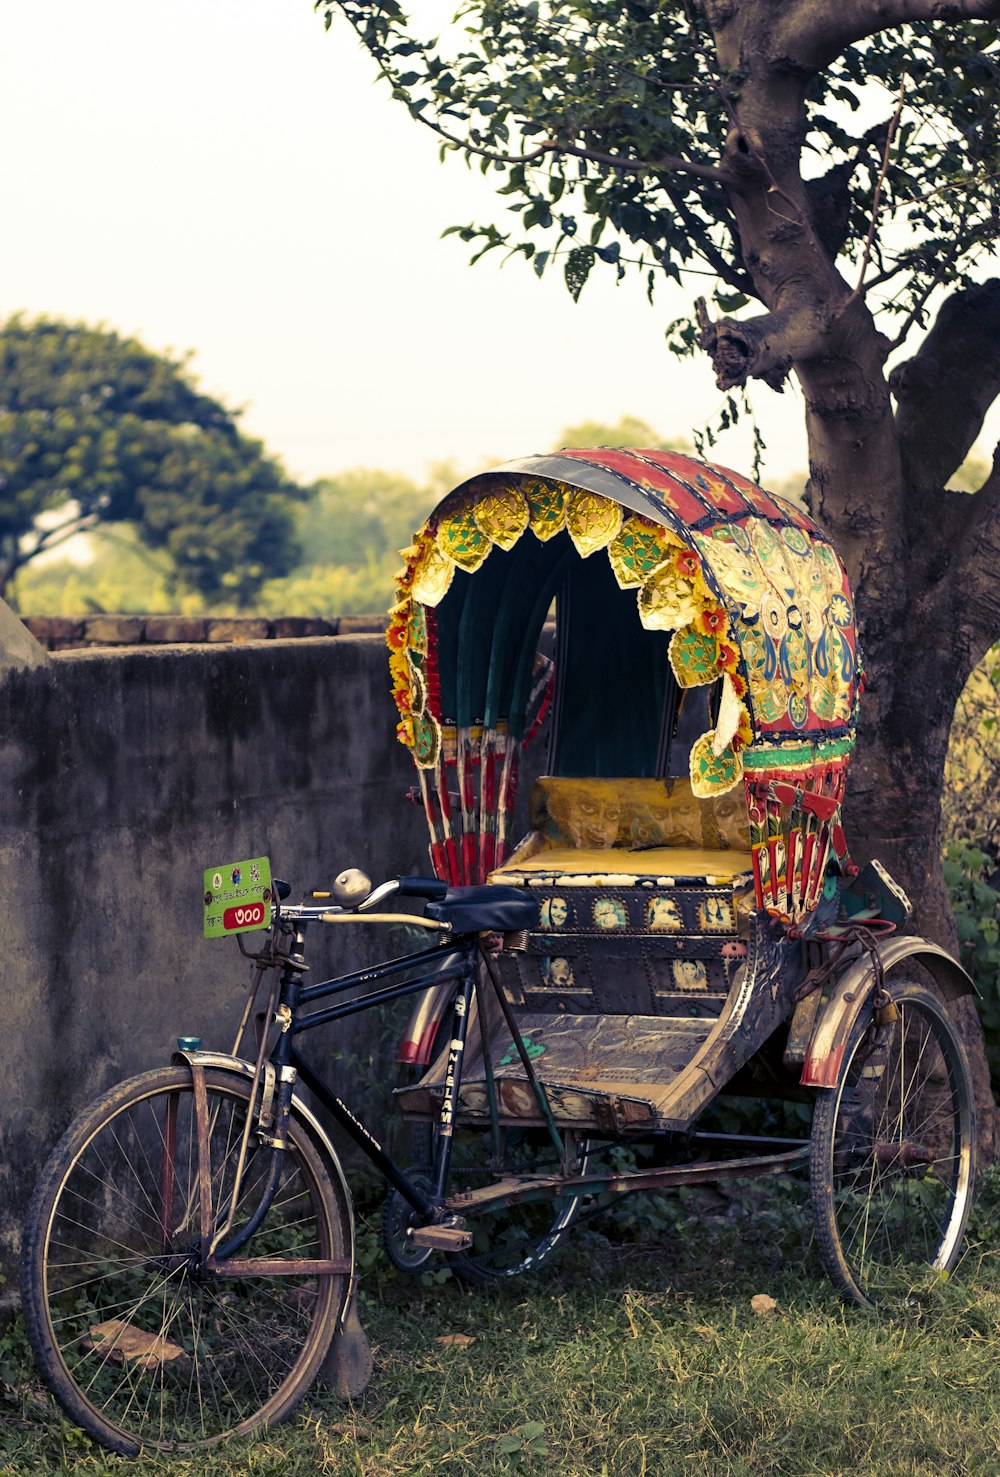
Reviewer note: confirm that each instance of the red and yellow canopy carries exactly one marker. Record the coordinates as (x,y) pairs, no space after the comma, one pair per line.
(748,584)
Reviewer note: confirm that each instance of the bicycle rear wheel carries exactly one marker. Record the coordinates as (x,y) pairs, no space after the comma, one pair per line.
(508,1241)
(893,1152)
(138,1346)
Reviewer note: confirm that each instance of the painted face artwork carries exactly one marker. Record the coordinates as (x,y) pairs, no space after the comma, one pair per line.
(597,821)
(558,973)
(663,915)
(690,974)
(555,913)
(608,912)
(715,913)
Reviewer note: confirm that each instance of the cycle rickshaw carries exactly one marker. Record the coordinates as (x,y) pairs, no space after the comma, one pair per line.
(682,920)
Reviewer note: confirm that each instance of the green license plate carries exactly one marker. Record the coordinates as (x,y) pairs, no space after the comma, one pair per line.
(237,897)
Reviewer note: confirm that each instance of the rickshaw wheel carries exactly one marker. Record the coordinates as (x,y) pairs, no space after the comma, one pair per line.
(893,1153)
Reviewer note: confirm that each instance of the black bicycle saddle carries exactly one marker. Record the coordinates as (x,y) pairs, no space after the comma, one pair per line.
(485,909)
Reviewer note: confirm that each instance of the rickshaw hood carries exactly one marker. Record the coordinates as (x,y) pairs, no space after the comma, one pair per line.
(750,586)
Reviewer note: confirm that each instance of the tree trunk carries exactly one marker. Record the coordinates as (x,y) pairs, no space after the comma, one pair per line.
(877,478)
(893,808)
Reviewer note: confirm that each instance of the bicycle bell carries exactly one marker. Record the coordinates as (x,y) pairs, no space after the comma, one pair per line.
(351,887)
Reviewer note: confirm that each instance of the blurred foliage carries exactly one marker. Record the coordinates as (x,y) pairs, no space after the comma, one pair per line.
(97,431)
(971,474)
(360,516)
(351,530)
(970,803)
(631,430)
(974,884)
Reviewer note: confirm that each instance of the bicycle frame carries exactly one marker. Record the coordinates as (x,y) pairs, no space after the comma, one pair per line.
(451,962)
(436,969)
(454,960)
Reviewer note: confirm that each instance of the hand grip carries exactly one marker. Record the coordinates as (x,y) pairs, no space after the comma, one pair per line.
(428,887)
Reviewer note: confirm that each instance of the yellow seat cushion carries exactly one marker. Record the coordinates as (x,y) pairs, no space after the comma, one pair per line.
(595,864)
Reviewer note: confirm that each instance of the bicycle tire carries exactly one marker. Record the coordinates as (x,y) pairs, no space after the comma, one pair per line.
(139,1350)
(892,1161)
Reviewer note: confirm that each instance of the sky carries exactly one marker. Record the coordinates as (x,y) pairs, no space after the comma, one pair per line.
(225,177)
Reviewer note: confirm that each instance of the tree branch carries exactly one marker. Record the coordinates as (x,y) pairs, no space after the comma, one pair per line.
(976,568)
(52,538)
(813,35)
(921,297)
(736,276)
(45,539)
(761,348)
(945,390)
(877,194)
(664,164)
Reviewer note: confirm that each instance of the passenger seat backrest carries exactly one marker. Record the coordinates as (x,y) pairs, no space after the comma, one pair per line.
(630,813)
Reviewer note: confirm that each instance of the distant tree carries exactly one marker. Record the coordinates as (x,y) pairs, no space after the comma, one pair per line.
(631,430)
(362,514)
(96,429)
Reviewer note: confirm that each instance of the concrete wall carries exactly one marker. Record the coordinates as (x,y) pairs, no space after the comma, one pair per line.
(124,774)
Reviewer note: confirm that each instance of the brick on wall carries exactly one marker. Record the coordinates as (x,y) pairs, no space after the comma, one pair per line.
(62,633)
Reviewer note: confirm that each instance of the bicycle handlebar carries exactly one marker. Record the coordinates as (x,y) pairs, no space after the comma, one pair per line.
(424,887)
(430,888)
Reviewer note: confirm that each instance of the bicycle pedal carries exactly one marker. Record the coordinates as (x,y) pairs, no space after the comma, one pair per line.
(441,1238)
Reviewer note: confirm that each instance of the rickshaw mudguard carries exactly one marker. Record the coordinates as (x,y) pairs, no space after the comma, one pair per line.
(417,1045)
(851,995)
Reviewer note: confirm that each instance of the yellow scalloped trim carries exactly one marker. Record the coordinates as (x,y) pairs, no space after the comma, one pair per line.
(502,515)
(592,522)
(711,773)
(640,548)
(546,508)
(694,657)
(460,539)
(432,577)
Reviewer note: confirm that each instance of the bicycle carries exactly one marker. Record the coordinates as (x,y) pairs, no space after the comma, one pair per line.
(188,1255)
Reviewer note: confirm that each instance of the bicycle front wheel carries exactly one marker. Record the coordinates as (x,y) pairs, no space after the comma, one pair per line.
(893,1152)
(140,1346)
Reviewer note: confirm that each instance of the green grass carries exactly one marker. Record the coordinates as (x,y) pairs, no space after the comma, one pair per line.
(630,1356)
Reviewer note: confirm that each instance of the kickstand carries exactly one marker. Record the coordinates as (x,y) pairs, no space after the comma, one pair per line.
(348,1367)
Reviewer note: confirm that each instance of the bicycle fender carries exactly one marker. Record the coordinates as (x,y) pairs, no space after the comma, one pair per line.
(851,995)
(226,1063)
